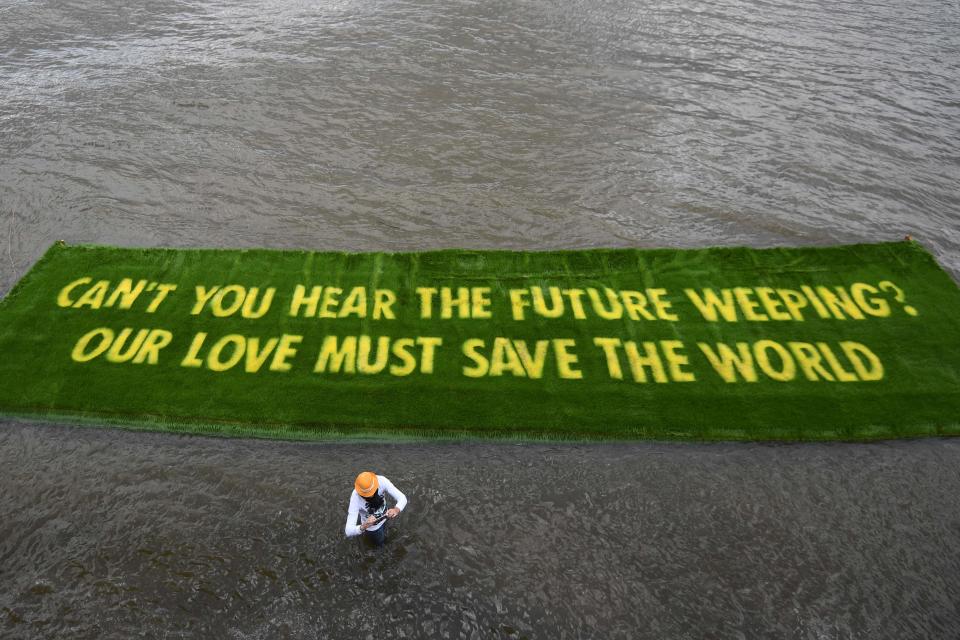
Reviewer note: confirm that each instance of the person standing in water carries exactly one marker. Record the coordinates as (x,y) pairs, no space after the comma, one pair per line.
(368,512)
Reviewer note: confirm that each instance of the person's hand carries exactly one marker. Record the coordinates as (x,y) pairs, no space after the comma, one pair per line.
(393,513)
(371,520)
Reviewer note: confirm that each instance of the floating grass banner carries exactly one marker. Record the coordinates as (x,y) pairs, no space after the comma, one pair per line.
(850,342)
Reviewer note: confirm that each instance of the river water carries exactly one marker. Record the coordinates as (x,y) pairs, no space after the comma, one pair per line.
(419,124)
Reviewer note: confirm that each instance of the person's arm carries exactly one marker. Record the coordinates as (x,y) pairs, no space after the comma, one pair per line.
(352,529)
(396,494)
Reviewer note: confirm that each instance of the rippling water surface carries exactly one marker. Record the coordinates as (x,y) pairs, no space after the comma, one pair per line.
(392,125)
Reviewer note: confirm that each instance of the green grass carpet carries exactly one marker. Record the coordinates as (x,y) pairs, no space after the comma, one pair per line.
(850,342)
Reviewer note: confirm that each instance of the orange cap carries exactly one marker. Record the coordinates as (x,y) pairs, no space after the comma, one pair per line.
(366,484)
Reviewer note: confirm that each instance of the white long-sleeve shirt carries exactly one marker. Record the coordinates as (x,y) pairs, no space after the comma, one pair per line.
(358,507)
